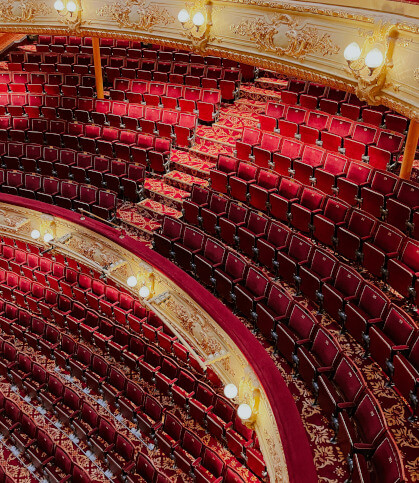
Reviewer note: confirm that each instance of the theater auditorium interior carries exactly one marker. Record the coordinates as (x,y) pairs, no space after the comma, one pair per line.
(209,226)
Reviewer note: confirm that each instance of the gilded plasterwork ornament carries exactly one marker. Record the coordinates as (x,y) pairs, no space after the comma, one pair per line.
(24,11)
(148,15)
(302,39)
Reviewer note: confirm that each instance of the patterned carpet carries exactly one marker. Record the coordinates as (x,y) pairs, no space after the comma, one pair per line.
(184,161)
(259,94)
(182,180)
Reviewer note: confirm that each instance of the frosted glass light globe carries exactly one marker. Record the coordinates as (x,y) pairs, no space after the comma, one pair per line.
(198,19)
(144,292)
(59,5)
(244,411)
(374,58)
(35,234)
(183,16)
(132,281)
(48,237)
(352,51)
(230,391)
(71,6)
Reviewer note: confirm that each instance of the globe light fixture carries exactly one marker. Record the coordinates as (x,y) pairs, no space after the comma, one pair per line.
(144,292)
(244,411)
(35,234)
(374,58)
(71,6)
(48,237)
(352,52)
(59,5)
(132,281)
(198,19)
(183,16)
(230,391)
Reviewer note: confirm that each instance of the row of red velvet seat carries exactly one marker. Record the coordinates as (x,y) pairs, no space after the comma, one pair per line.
(356,140)
(67,194)
(107,141)
(379,193)
(119,453)
(102,297)
(287,322)
(149,366)
(36,444)
(335,287)
(357,236)
(124,178)
(56,397)
(335,101)
(65,132)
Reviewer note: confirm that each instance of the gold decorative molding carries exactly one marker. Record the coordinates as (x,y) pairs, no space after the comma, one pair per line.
(302,39)
(416,73)
(29,9)
(148,15)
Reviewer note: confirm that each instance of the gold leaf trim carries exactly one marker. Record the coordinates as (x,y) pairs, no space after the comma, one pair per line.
(149,15)
(302,39)
(29,9)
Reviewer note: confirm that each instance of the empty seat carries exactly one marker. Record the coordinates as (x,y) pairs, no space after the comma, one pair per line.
(402,271)
(250,293)
(276,309)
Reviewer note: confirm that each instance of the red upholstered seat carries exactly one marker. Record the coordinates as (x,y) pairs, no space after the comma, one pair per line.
(338,130)
(289,192)
(236,217)
(374,198)
(244,146)
(370,310)
(299,251)
(171,232)
(239,183)
(385,245)
(276,309)
(358,176)
(192,243)
(400,209)
(208,261)
(326,224)
(299,330)
(403,272)
(334,167)
(266,183)
(276,240)
(216,209)
(360,229)
(232,274)
(250,293)
(192,206)
(269,143)
(310,204)
(220,175)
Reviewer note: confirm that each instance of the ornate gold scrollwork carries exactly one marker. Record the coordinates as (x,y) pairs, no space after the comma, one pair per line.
(149,14)
(302,39)
(29,9)
(74,21)
(371,82)
(416,73)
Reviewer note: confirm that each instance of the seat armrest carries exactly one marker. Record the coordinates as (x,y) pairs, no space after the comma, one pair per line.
(196,462)
(326,279)
(303,262)
(346,405)
(302,341)
(323,370)
(392,254)
(374,321)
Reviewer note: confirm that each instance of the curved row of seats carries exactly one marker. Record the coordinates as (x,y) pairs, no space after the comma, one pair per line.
(32,439)
(362,142)
(356,235)
(379,193)
(361,308)
(154,365)
(310,349)
(334,101)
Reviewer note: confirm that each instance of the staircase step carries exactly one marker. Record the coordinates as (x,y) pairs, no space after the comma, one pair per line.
(250,92)
(156,211)
(188,163)
(183,180)
(168,195)
(135,223)
(271,83)
(211,149)
(238,121)
(219,133)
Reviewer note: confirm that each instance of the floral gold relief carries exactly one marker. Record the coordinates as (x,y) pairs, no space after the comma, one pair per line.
(148,15)
(24,11)
(302,39)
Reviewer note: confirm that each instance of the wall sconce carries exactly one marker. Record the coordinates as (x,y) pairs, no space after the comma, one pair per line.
(197,24)
(70,13)
(249,402)
(370,64)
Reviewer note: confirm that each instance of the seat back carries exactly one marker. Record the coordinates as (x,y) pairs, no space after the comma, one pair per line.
(361,223)
(336,210)
(326,348)
(247,171)
(214,251)
(369,418)
(257,223)
(312,199)
(408,193)
(227,164)
(256,282)
(410,255)
(399,327)
(235,266)
(301,322)
(323,263)
(300,248)
(373,301)
(387,462)
(349,380)
(279,301)
(193,239)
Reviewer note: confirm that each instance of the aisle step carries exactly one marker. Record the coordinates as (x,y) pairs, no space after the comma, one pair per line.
(132,218)
(186,162)
(184,181)
(154,210)
(251,92)
(164,193)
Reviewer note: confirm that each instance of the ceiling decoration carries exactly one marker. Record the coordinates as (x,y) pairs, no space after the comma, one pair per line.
(302,39)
